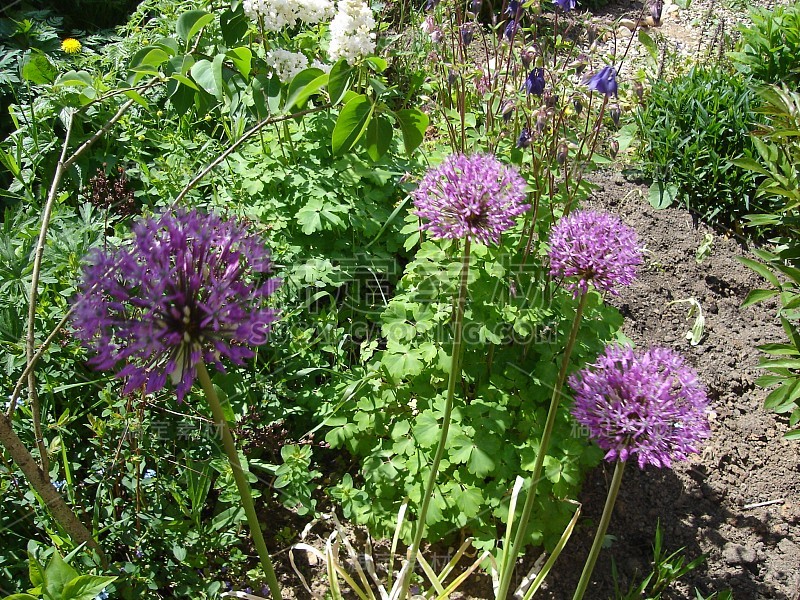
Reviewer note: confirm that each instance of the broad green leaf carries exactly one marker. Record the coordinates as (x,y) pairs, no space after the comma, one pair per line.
(38,69)
(75,79)
(85,587)
(783,363)
(148,60)
(351,124)
(379,137)
(377,64)
(242,58)
(413,123)
(266,95)
(402,365)
(646,41)
(304,85)
(234,25)
(203,73)
(480,462)
(661,195)
(21,597)
(56,575)
(185,81)
(469,501)
(339,80)
(426,429)
(189,23)
(758,296)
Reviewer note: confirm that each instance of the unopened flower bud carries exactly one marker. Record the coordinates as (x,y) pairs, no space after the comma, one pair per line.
(577,105)
(591,33)
(614,148)
(527,56)
(561,153)
(550,99)
(656,8)
(615,113)
(508,110)
(638,89)
(541,121)
(467,34)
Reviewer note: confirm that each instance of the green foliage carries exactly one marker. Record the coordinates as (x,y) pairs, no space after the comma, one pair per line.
(666,570)
(691,128)
(769,49)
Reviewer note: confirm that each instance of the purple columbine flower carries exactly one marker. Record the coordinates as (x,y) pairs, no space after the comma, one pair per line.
(511,30)
(604,81)
(643,404)
(595,247)
(513,8)
(565,5)
(467,34)
(534,82)
(188,288)
(524,139)
(474,197)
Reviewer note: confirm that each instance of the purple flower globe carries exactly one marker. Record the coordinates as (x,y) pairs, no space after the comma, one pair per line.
(645,405)
(475,197)
(188,288)
(597,248)
(604,81)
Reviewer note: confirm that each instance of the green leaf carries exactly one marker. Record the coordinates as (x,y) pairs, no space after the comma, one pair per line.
(57,574)
(426,429)
(304,85)
(242,59)
(469,501)
(351,124)
(480,462)
(413,123)
(75,79)
(189,23)
(203,72)
(661,196)
(148,60)
(761,269)
(38,69)
(377,64)
(402,365)
(646,41)
(758,296)
(339,80)
(379,137)
(85,587)
(234,25)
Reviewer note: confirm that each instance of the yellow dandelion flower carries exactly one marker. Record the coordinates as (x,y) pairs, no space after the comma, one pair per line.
(71,46)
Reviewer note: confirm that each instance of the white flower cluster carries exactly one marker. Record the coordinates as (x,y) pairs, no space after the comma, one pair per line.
(351,31)
(286,64)
(278,14)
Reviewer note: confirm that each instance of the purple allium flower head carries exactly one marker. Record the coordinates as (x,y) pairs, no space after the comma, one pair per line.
(181,292)
(534,82)
(595,247)
(604,81)
(565,5)
(643,404)
(474,197)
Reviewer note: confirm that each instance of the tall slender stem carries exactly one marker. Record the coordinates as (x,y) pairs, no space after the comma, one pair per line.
(241,479)
(455,378)
(597,545)
(510,554)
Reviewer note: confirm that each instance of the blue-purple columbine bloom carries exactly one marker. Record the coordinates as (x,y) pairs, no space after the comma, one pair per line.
(524,139)
(604,81)
(513,8)
(511,30)
(189,288)
(476,6)
(645,405)
(534,82)
(565,5)
(475,197)
(467,34)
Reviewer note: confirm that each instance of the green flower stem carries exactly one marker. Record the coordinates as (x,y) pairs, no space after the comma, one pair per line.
(616,481)
(241,480)
(455,378)
(509,557)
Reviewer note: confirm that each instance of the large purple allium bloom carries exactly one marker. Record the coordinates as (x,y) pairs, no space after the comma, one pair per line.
(474,197)
(186,289)
(643,404)
(597,248)
(604,81)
